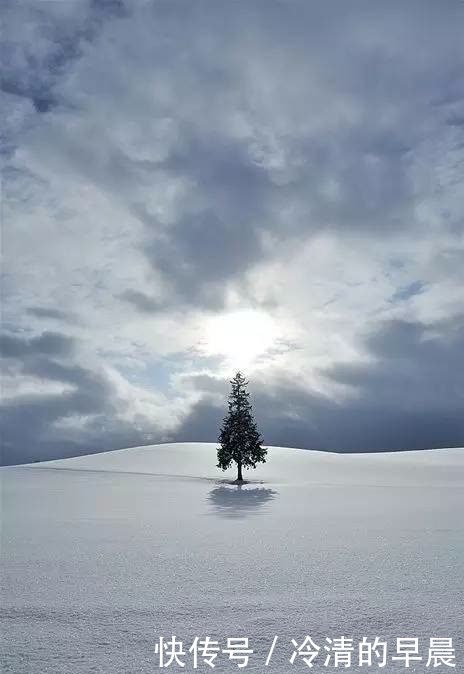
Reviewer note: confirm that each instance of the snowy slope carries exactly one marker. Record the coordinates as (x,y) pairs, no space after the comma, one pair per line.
(284,465)
(103,554)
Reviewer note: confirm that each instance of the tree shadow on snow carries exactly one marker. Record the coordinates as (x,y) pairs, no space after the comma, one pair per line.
(236,501)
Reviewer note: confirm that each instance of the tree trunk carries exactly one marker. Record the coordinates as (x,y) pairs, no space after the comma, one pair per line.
(239,472)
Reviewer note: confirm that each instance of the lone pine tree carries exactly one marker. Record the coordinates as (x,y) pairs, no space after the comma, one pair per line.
(239,437)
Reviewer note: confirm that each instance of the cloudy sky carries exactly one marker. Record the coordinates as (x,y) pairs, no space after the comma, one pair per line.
(195,187)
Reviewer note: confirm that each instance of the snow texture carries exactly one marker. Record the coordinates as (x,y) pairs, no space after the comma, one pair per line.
(103,554)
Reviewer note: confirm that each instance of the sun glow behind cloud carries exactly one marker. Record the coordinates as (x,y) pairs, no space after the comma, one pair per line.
(240,337)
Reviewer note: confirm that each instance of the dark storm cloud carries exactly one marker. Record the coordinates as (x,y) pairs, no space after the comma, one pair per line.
(201,255)
(49,312)
(40,42)
(410,395)
(141,301)
(27,420)
(202,252)
(404,293)
(49,343)
(415,368)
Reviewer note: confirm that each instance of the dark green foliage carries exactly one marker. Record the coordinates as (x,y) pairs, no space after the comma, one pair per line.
(239,437)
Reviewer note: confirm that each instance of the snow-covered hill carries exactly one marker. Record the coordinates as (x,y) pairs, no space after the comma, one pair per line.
(103,554)
(284,465)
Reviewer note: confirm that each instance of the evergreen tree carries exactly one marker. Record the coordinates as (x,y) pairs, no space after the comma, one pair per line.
(239,437)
